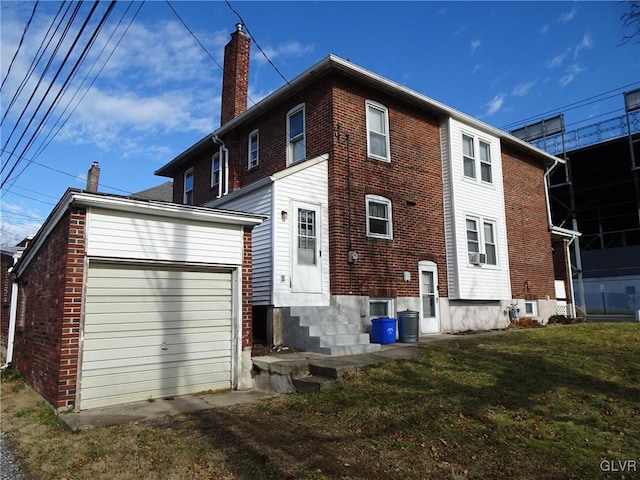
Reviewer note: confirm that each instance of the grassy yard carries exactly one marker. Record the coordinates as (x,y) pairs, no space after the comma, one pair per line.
(550,403)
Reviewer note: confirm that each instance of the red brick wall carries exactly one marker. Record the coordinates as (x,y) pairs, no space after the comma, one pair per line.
(49,308)
(529,240)
(413,183)
(247,290)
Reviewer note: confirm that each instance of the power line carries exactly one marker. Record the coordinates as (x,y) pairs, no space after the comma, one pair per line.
(15,55)
(66,82)
(44,45)
(571,106)
(256,43)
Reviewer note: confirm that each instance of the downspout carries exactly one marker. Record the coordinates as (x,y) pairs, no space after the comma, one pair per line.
(223,156)
(573,293)
(13,312)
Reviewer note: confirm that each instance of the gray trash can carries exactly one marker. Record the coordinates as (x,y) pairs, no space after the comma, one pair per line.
(408,326)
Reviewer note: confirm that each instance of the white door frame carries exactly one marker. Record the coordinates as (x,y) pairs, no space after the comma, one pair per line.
(306,279)
(429,324)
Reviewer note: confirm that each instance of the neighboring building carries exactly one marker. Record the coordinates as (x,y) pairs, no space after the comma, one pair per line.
(379,200)
(163,192)
(121,299)
(599,194)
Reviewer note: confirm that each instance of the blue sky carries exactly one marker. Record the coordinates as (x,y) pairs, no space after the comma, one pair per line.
(156,93)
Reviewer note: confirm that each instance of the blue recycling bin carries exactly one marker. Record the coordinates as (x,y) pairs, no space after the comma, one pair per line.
(383,330)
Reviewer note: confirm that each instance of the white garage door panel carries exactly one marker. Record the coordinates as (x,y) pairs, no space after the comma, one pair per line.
(152,332)
(145,357)
(133,374)
(147,321)
(123,393)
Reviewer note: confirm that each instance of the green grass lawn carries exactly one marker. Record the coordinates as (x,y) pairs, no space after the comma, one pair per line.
(550,403)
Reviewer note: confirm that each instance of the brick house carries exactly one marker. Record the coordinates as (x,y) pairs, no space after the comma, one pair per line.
(379,200)
(122,299)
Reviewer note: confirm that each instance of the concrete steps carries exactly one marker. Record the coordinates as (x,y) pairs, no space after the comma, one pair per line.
(310,372)
(324,329)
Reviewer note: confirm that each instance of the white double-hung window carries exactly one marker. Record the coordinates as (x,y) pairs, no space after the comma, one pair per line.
(379,217)
(188,187)
(215,170)
(476,156)
(253,149)
(296,149)
(481,241)
(377,131)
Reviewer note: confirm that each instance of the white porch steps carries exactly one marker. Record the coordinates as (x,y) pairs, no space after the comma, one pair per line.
(324,330)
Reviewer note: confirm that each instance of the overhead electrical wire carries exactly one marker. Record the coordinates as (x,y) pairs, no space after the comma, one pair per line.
(70,76)
(44,45)
(15,55)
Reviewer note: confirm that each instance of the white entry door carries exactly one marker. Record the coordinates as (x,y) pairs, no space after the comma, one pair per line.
(429,321)
(306,275)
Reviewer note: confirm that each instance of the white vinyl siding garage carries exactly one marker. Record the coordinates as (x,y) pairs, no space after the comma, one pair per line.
(153,332)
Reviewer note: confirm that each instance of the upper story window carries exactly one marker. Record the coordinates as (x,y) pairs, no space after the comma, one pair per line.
(188,187)
(481,241)
(472,162)
(379,223)
(377,131)
(253,149)
(296,149)
(215,170)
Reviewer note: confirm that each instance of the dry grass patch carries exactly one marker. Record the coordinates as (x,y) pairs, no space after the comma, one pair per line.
(547,403)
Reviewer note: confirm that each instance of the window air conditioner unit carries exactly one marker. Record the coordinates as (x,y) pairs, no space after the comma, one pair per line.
(483,258)
(474,258)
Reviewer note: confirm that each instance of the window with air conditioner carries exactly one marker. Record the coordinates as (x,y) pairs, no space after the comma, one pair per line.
(481,241)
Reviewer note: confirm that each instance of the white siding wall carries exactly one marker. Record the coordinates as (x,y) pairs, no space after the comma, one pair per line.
(309,185)
(449,206)
(473,198)
(144,237)
(260,202)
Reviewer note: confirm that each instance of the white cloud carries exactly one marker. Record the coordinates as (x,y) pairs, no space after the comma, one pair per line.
(442,11)
(18,222)
(474,45)
(586,43)
(523,88)
(544,30)
(494,105)
(568,16)
(476,68)
(559,59)
(285,50)
(571,73)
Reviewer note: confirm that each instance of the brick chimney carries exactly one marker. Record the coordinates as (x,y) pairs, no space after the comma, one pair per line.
(93,177)
(235,80)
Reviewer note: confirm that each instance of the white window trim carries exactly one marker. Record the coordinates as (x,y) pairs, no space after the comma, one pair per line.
(184,186)
(534,309)
(482,244)
(385,110)
(388,301)
(290,113)
(250,163)
(477,178)
(386,201)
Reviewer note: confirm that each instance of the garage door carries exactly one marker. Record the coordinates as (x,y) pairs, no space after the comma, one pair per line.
(154,332)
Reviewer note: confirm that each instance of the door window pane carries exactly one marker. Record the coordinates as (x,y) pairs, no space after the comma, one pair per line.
(306,237)
(428,295)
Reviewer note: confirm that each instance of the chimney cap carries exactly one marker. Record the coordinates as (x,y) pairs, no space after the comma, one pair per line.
(239,27)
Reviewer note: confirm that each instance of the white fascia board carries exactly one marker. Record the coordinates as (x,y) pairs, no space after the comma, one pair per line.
(125,204)
(267,180)
(378,81)
(167,210)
